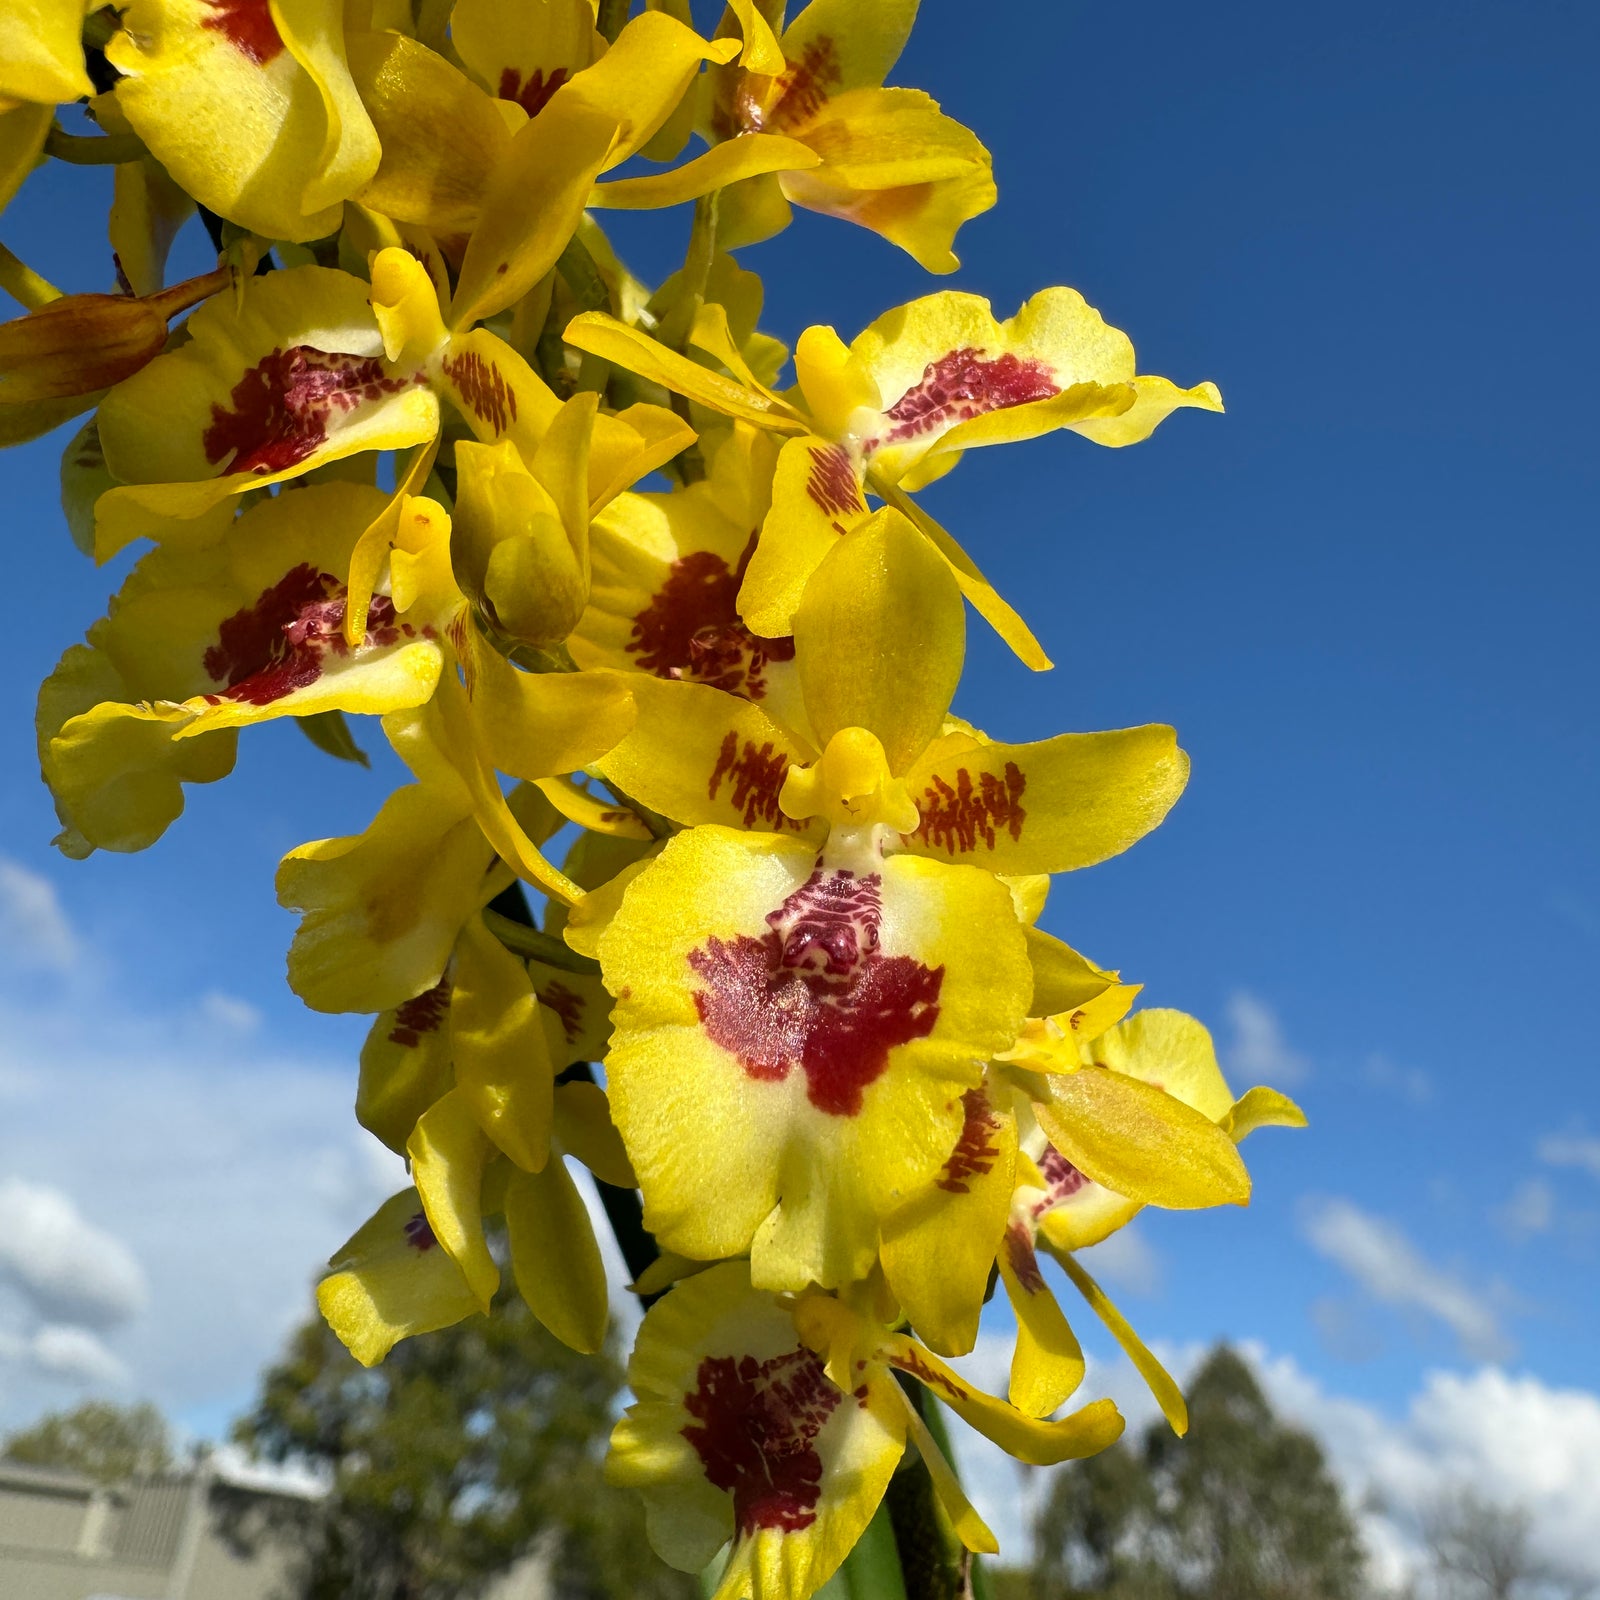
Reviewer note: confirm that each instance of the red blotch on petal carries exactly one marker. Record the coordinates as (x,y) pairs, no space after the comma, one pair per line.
(567,1005)
(803,88)
(420,1015)
(815,992)
(271,648)
(692,630)
(419,1235)
(534,94)
(278,412)
(832,484)
(756,776)
(755,1426)
(247,25)
(1024,1263)
(955,817)
(965,384)
(1062,1180)
(975,1153)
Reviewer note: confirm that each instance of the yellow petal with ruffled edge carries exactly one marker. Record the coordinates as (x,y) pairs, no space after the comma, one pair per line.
(1262,1108)
(793,1493)
(698,755)
(937,1252)
(1047,1364)
(791,1126)
(252,111)
(880,637)
(846,45)
(41,52)
(502,1054)
(554,1257)
(893,162)
(290,380)
(1139,1141)
(816,500)
(952,376)
(405,1066)
(1168,1395)
(391,1279)
(1055,806)
(449,1151)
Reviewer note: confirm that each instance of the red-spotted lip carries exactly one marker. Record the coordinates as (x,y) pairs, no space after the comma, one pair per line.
(963,384)
(816,992)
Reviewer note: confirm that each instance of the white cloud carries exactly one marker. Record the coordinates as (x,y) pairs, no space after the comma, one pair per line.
(1259,1052)
(228,1011)
(1127,1261)
(1529,1209)
(1514,1440)
(34,931)
(70,1270)
(55,1353)
(1410,1083)
(1571,1150)
(1390,1268)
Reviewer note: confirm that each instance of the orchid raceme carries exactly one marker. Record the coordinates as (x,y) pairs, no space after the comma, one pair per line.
(698,884)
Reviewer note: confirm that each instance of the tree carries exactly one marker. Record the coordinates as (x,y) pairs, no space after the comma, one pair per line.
(103,1441)
(1243,1508)
(1481,1551)
(464,1451)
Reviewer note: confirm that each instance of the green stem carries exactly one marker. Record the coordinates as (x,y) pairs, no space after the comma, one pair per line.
(536,944)
(93,150)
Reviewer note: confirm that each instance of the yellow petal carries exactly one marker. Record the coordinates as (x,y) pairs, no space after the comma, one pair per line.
(449,1152)
(391,1280)
(970,1528)
(1167,1393)
(41,52)
(531,207)
(585,1130)
(880,637)
(722,164)
(1040,1444)
(554,1257)
(502,1055)
(1047,1365)
(1140,1142)
(405,1066)
(1054,806)
(1262,1108)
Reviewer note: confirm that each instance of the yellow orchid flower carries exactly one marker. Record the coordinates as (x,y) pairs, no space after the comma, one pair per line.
(250,106)
(772,1427)
(666,574)
(887,159)
(896,409)
(878,647)
(244,630)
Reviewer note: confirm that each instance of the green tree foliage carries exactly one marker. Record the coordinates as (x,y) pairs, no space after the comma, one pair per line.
(106,1442)
(464,1451)
(1244,1508)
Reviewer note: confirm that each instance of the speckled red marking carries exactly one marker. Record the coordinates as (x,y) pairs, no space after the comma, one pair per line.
(955,817)
(756,1423)
(277,645)
(419,1235)
(755,774)
(277,413)
(534,94)
(1024,1263)
(692,630)
(912,1362)
(420,1015)
(568,1005)
(816,992)
(964,384)
(247,25)
(483,388)
(975,1153)
(831,483)
(803,88)
(1062,1180)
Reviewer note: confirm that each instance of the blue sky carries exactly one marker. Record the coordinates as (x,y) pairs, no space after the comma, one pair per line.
(1365,597)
